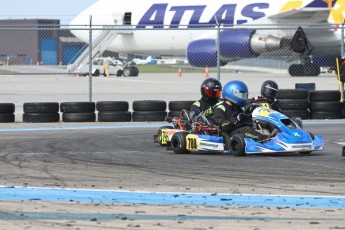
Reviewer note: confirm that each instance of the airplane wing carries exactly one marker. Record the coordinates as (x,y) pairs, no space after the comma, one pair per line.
(305,15)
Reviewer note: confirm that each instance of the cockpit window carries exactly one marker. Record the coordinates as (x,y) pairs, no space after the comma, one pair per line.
(288,123)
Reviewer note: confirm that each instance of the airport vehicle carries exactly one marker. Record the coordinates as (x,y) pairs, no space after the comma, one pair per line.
(98,68)
(291,138)
(147,28)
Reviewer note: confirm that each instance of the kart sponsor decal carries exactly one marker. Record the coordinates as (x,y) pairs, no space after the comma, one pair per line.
(192,142)
(164,136)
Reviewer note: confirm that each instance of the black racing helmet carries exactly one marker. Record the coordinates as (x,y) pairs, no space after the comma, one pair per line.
(269,89)
(211,89)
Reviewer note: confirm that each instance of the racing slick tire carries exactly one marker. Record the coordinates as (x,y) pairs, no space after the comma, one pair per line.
(237,145)
(178,143)
(159,134)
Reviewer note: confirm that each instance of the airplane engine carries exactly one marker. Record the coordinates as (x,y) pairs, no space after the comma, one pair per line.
(234,45)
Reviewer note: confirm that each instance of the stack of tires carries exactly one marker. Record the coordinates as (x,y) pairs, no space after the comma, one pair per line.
(7,112)
(149,110)
(38,112)
(326,104)
(78,111)
(113,111)
(294,102)
(175,107)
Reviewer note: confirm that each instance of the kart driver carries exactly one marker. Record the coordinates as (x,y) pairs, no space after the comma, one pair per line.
(211,90)
(229,114)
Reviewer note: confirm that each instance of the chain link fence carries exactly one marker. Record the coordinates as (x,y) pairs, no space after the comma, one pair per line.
(48,63)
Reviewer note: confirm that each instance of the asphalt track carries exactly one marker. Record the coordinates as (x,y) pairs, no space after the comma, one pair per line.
(101,176)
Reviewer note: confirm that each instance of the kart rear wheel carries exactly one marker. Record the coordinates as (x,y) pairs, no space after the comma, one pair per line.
(178,142)
(237,145)
(159,134)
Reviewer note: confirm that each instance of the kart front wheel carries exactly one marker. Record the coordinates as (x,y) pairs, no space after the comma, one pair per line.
(178,142)
(237,145)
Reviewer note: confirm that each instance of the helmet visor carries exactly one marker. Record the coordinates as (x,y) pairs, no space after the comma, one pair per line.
(240,94)
(213,93)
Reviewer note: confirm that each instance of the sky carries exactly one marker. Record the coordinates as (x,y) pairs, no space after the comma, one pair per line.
(65,10)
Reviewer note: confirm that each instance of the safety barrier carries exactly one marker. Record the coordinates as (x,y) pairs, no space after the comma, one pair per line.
(318,104)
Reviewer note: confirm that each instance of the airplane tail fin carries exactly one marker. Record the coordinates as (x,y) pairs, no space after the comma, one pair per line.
(322,4)
(149,59)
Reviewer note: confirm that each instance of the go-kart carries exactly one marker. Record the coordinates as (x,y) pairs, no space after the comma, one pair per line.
(199,125)
(290,138)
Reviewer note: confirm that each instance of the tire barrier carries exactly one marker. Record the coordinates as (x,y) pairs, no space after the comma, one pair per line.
(40,112)
(294,102)
(78,111)
(149,110)
(7,112)
(175,107)
(325,104)
(113,111)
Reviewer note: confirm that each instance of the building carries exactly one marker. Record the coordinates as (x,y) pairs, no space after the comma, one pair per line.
(37,41)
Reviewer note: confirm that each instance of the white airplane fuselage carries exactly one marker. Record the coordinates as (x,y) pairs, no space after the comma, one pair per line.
(168,27)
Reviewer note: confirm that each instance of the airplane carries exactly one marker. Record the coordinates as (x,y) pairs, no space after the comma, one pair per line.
(139,61)
(150,28)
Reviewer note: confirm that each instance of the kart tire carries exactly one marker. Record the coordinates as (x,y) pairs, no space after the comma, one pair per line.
(237,145)
(325,95)
(41,107)
(149,116)
(294,104)
(159,134)
(114,116)
(174,114)
(107,106)
(179,105)
(77,107)
(41,117)
(7,118)
(292,94)
(7,108)
(178,143)
(79,117)
(149,105)
(326,115)
(326,105)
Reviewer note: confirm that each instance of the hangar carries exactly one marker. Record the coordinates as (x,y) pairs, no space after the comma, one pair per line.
(37,41)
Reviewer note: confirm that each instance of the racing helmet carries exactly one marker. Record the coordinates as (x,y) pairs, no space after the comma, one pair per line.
(236,92)
(211,89)
(269,89)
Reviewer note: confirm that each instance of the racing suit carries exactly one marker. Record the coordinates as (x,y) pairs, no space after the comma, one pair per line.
(231,121)
(203,106)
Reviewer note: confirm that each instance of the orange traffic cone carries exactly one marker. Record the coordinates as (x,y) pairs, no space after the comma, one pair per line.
(206,72)
(179,72)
